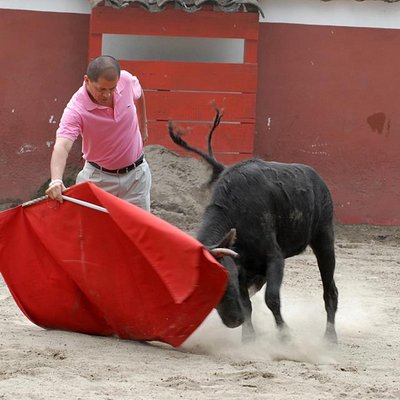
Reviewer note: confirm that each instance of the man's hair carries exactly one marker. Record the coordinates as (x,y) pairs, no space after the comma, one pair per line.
(106,67)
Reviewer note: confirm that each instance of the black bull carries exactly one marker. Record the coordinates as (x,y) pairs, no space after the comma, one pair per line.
(266,212)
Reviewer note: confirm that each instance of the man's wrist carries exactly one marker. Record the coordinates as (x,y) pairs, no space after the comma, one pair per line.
(56,182)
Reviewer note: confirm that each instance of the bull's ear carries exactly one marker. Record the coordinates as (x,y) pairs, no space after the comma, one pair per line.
(229,240)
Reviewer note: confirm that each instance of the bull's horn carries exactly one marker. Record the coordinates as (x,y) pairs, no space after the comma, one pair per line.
(222,251)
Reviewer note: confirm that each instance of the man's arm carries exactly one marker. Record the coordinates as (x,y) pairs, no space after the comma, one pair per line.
(61,149)
(142,116)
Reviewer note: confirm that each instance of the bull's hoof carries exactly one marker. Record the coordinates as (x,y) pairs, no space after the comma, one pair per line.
(248,334)
(248,338)
(284,334)
(330,334)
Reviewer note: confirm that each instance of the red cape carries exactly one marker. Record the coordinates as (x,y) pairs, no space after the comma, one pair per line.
(126,273)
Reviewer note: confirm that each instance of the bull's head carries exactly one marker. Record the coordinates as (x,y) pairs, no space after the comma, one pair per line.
(230,308)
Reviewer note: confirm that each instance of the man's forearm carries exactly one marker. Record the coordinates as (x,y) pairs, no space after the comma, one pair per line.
(61,149)
(142,116)
(58,162)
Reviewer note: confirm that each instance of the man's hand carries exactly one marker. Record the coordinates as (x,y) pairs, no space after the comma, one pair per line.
(56,187)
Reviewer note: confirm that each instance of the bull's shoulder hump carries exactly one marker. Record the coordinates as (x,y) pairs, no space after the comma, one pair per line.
(256,163)
(289,167)
(275,169)
(288,175)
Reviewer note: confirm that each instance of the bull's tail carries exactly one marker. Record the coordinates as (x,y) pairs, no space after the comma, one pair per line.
(176,136)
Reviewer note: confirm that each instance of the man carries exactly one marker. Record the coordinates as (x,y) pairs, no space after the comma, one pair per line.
(109,112)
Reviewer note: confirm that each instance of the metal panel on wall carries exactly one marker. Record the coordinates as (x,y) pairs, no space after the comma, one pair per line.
(186,92)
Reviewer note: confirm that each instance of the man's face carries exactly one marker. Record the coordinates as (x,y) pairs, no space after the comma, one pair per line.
(101,91)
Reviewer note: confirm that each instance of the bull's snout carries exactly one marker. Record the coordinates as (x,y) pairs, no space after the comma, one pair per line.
(234,323)
(230,318)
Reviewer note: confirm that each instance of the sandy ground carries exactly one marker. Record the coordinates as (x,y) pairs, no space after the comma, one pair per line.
(212,363)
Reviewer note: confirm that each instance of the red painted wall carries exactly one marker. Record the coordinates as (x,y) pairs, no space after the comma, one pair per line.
(43,58)
(329,97)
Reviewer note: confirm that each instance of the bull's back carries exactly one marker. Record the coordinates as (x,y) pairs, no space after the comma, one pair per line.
(274,204)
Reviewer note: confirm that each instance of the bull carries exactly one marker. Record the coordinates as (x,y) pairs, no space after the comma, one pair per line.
(261,213)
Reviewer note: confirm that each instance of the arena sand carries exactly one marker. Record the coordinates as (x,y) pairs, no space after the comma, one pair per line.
(213,363)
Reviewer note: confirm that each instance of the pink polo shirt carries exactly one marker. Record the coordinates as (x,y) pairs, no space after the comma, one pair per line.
(110,136)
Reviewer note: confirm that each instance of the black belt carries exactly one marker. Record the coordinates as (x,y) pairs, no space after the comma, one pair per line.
(119,170)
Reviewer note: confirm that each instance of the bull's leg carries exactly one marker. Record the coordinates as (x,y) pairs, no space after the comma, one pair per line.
(324,250)
(274,278)
(248,332)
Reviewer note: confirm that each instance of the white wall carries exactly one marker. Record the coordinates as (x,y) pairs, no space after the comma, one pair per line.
(369,13)
(68,6)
